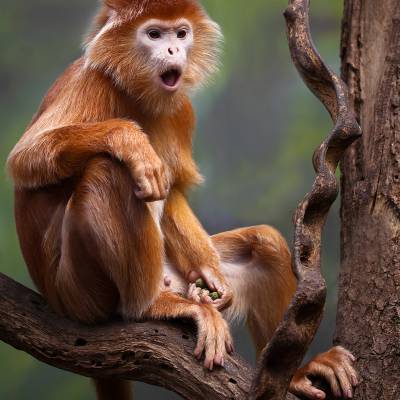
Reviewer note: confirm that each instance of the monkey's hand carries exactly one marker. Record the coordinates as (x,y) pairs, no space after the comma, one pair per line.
(214,338)
(148,173)
(335,366)
(215,292)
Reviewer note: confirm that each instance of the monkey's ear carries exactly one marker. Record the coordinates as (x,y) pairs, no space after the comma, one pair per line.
(118,4)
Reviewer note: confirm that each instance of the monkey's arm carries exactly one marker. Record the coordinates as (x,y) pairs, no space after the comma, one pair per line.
(190,249)
(45,158)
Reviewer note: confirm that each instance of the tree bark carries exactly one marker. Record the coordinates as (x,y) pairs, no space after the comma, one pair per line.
(368,321)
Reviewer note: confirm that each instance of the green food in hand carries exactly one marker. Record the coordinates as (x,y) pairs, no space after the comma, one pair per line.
(214,296)
(201,284)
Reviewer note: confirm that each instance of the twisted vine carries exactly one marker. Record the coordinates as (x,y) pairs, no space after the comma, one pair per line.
(160,353)
(283,355)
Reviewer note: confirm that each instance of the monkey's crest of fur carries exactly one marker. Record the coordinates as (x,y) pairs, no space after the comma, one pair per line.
(143,8)
(110,48)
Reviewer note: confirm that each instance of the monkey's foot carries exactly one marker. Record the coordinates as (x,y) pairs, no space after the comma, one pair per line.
(335,366)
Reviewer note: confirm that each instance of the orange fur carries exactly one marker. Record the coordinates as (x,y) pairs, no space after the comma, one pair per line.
(105,144)
(188,246)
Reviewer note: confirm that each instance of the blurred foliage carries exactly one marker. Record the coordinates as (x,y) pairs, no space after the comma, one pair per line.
(258,127)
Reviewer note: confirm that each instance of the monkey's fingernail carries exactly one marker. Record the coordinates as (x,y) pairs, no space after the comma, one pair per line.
(219,360)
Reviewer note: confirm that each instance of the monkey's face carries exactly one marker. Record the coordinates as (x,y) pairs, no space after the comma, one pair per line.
(166,45)
(158,55)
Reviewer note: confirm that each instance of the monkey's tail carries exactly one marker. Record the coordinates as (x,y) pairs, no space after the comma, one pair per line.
(113,389)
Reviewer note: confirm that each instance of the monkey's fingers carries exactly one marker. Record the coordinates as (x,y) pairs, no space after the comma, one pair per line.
(202,328)
(147,189)
(336,367)
(341,362)
(193,276)
(225,301)
(329,375)
(220,348)
(194,293)
(344,381)
(146,174)
(351,372)
(163,182)
(212,281)
(205,296)
(230,347)
(156,195)
(303,387)
(143,188)
(210,346)
(201,339)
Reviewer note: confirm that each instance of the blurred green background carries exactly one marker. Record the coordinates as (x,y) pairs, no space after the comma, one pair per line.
(257,129)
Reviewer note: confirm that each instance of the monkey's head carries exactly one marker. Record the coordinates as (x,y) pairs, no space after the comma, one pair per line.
(155,50)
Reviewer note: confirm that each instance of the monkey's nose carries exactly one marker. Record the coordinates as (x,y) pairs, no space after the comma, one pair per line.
(173,51)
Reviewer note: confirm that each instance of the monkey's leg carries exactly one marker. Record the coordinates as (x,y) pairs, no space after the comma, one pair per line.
(257,266)
(110,243)
(111,254)
(256,263)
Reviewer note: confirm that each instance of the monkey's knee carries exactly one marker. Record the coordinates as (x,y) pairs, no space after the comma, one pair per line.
(257,264)
(271,257)
(269,247)
(262,244)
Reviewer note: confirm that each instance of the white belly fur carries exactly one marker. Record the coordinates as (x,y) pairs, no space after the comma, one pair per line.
(178,284)
(157,210)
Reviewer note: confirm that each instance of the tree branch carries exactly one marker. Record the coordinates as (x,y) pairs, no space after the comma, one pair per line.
(158,353)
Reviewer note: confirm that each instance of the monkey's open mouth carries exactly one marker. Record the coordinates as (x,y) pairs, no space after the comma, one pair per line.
(171,78)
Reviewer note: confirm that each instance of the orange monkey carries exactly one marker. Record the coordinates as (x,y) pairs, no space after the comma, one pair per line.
(101,176)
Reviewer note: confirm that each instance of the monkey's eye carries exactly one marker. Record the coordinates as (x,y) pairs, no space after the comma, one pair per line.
(154,34)
(182,33)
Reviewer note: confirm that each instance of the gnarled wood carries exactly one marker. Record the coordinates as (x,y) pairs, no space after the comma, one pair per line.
(284,353)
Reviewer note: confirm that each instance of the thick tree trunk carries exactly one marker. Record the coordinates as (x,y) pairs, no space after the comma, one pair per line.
(369,300)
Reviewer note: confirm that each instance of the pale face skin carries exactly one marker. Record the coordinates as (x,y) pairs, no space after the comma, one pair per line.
(167,45)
